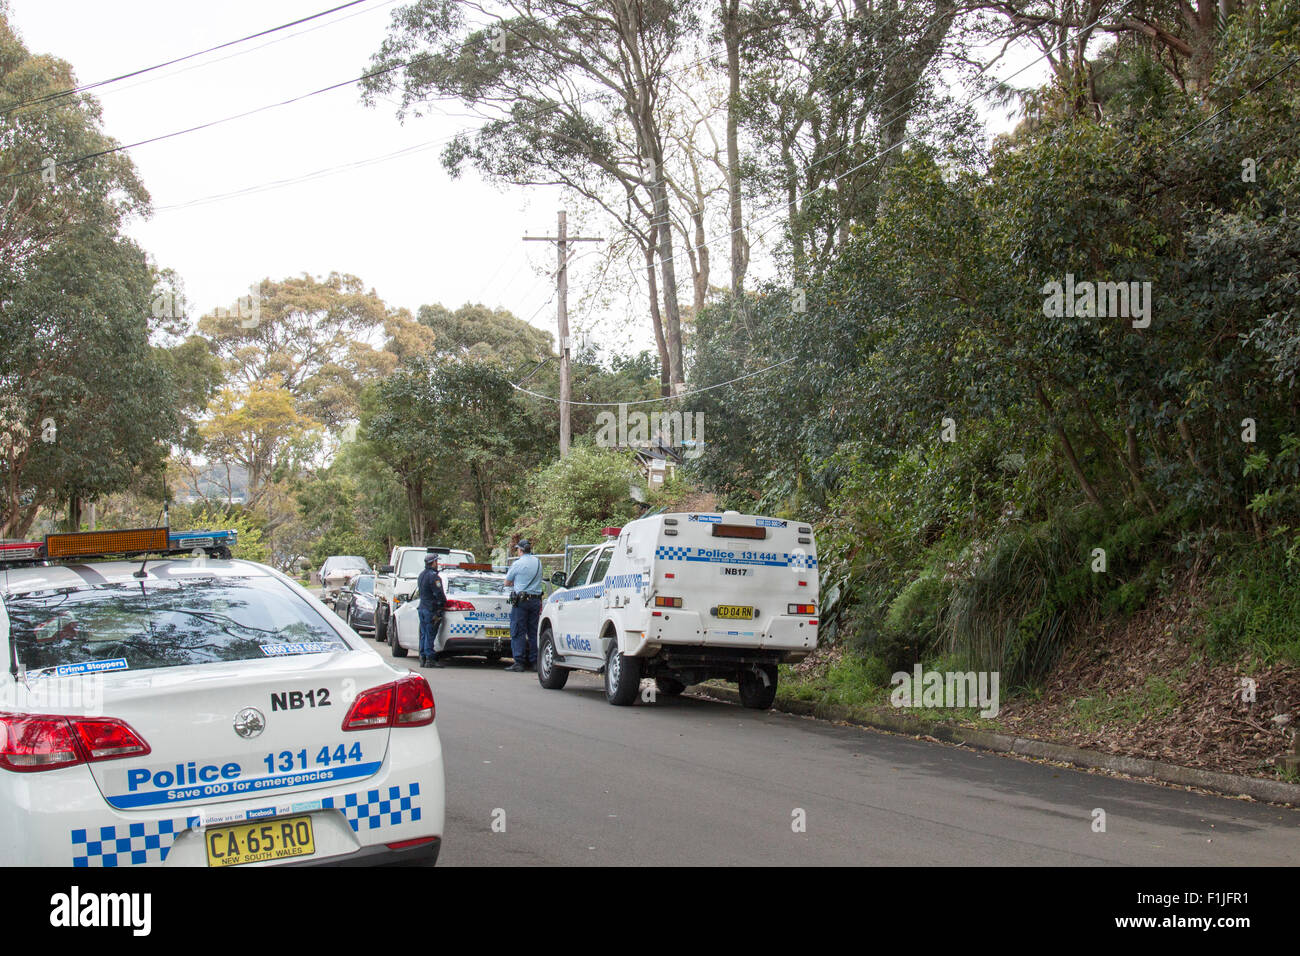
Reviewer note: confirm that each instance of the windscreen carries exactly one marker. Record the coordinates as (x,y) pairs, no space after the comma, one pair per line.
(476,584)
(151,624)
(412,564)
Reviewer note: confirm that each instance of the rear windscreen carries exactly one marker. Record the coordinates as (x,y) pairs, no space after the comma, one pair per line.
(149,624)
(467,584)
(739,531)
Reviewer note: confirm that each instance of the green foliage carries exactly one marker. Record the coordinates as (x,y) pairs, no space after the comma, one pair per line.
(252,544)
(1254,602)
(577,496)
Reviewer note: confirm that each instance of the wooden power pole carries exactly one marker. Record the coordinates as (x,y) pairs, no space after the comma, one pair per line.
(561,240)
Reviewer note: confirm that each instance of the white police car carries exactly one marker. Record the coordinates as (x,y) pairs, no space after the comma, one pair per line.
(476,620)
(201,713)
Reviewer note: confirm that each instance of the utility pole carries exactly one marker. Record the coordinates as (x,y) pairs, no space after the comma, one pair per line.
(561,240)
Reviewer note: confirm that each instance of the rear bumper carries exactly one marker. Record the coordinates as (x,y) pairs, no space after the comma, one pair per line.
(426,854)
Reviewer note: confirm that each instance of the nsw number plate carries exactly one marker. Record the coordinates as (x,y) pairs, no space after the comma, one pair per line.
(275,839)
(735,612)
(496,631)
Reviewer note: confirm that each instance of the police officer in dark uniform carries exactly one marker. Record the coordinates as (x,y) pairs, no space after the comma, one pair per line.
(432,602)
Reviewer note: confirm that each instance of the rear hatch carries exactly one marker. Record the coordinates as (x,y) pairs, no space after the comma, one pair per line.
(477,605)
(752,579)
(201,724)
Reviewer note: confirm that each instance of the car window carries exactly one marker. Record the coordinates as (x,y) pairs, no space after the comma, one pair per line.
(412,564)
(151,624)
(602,565)
(365,585)
(474,584)
(579,575)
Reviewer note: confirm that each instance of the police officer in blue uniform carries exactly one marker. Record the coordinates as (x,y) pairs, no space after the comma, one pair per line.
(525,581)
(432,602)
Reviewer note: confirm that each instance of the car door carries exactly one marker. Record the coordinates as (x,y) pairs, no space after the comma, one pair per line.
(575,607)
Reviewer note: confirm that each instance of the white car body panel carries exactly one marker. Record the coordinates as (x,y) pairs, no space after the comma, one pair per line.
(461,630)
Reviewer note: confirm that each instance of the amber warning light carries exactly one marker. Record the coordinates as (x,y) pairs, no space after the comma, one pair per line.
(86,544)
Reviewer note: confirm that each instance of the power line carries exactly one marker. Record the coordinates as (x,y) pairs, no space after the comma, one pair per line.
(180,59)
(664,398)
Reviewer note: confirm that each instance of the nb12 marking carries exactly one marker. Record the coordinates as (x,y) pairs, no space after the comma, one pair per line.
(297,699)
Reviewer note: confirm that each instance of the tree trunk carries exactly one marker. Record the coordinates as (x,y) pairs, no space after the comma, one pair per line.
(739,246)
(1067,448)
(415,509)
(668,274)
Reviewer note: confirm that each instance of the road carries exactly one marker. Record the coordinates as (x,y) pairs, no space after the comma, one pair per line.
(568,779)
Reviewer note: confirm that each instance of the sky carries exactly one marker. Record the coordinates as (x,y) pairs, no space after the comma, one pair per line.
(401,224)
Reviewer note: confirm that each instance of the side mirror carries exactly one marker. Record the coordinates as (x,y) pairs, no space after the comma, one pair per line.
(386,569)
(558,579)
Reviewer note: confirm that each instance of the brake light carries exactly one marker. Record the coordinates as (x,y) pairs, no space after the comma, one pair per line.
(668,602)
(372,708)
(404,703)
(458,606)
(107,739)
(33,742)
(414,704)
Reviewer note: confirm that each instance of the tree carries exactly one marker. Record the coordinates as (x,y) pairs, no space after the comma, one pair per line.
(572,93)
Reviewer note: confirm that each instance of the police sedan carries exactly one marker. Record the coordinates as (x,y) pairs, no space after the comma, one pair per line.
(475,622)
(203,713)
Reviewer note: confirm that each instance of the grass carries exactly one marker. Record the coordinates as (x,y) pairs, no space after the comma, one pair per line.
(1155,698)
(1253,606)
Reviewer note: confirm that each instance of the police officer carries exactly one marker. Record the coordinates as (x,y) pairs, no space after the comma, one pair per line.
(432,602)
(525,581)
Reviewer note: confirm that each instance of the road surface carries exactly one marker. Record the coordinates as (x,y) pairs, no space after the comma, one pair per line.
(561,777)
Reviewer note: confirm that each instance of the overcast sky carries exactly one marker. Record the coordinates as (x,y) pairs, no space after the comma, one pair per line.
(401,225)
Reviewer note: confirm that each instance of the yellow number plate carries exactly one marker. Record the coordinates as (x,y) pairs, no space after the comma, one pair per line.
(276,838)
(735,612)
(496,631)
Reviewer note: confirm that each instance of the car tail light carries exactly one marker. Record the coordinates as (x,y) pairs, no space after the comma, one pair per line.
(407,844)
(668,602)
(404,703)
(414,705)
(107,739)
(801,609)
(32,742)
(458,606)
(372,708)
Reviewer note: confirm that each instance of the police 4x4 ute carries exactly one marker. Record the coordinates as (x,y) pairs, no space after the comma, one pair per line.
(684,598)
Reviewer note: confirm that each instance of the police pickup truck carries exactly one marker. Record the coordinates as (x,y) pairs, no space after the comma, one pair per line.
(396,582)
(684,598)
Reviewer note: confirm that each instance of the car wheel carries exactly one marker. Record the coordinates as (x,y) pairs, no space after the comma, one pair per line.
(622,677)
(755,692)
(397,648)
(549,674)
(669,686)
(381,623)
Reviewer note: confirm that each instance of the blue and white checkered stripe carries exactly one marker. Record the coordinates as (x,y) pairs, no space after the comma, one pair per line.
(128,844)
(464,628)
(376,808)
(798,560)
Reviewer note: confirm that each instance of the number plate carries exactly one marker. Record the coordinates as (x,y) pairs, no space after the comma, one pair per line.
(496,631)
(735,612)
(276,838)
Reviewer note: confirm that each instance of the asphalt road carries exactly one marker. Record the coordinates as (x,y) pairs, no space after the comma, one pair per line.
(561,777)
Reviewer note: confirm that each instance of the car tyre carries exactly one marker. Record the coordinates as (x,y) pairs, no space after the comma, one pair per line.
(381,623)
(397,649)
(622,677)
(755,693)
(549,674)
(669,686)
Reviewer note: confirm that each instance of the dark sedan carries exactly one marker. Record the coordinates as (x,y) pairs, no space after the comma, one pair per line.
(356,604)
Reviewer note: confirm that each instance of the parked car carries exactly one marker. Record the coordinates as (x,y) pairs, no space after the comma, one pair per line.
(475,622)
(356,604)
(396,581)
(340,569)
